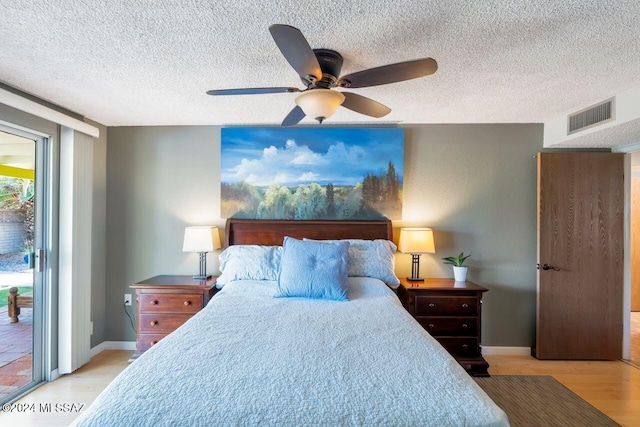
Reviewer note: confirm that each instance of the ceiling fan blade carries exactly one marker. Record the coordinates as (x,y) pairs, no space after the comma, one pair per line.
(252,91)
(363,105)
(294,117)
(391,73)
(296,50)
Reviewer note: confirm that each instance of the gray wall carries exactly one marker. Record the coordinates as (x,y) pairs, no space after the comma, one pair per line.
(159,180)
(474,184)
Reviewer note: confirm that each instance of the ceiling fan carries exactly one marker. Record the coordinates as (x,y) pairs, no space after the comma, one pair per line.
(319,70)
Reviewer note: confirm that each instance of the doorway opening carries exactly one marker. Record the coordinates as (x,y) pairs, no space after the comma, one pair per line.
(635,259)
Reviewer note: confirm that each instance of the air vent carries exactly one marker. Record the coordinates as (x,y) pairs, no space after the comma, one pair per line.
(590,117)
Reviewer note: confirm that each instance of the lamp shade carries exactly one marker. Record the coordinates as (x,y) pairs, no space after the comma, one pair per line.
(416,241)
(319,103)
(201,239)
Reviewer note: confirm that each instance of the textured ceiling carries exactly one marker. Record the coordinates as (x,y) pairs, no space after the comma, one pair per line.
(144,62)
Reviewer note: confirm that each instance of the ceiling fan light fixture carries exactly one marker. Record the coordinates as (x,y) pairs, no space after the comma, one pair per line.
(319,70)
(319,103)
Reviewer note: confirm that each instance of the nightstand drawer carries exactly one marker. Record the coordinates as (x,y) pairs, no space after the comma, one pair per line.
(161,323)
(170,303)
(456,326)
(146,341)
(450,306)
(460,346)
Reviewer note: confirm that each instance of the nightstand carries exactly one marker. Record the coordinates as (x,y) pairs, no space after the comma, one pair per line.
(450,311)
(165,303)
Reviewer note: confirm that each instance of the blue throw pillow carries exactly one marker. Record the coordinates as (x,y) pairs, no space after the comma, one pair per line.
(313,270)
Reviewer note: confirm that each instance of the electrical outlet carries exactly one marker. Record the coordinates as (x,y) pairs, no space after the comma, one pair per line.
(127,299)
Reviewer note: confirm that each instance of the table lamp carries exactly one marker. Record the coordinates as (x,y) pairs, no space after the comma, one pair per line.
(201,239)
(416,241)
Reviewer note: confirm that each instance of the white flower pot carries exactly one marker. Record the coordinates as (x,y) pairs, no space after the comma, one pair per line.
(460,274)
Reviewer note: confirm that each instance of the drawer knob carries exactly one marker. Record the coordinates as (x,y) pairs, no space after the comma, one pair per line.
(465,326)
(464,346)
(431,305)
(187,303)
(465,305)
(154,322)
(431,325)
(154,302)
(154,343)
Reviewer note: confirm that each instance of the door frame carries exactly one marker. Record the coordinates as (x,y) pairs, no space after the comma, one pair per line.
(626,295)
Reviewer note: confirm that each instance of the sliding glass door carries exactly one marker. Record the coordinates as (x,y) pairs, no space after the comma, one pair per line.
(24,294)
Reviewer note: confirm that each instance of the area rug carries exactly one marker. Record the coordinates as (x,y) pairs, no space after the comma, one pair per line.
(531,400)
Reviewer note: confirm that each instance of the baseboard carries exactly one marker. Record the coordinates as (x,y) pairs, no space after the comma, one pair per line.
(113,345)
(53,375)
(506,351)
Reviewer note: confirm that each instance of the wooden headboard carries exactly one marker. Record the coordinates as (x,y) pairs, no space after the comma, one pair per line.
(272,231)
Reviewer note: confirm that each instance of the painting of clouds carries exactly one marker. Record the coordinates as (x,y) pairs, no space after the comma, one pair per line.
(312,173)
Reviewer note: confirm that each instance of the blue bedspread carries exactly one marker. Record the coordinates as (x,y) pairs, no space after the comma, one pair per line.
(251,359)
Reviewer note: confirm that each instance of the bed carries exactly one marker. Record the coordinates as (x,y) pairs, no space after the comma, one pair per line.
(250,358)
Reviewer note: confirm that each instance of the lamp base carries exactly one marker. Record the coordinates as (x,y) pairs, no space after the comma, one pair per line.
(202,268)
(415,269)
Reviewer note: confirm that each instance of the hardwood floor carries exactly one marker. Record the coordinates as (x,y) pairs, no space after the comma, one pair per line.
(635,338)
(81,387)
(612,387)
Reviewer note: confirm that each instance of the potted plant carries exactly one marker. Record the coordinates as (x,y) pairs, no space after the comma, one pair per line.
(459,270)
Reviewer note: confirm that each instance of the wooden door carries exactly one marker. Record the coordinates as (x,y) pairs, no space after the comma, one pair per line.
(580,254)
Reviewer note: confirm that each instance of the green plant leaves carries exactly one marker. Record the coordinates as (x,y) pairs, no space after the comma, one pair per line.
(456,261)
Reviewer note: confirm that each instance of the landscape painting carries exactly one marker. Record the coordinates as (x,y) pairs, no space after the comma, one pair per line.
(312,173)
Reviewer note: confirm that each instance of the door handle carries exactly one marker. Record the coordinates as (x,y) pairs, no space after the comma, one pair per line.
(549,267)
(39,260)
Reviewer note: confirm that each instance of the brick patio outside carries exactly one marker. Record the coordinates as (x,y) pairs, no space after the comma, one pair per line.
(16,341)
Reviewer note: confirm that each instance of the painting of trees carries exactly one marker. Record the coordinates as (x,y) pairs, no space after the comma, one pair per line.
(309,202)
(381,194)
(239,199)
(276,203)
(322,177)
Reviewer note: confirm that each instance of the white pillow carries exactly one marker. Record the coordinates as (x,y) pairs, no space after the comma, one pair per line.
(249,262)
(371,258)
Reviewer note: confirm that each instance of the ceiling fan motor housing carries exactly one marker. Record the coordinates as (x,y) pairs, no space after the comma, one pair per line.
(330,63)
